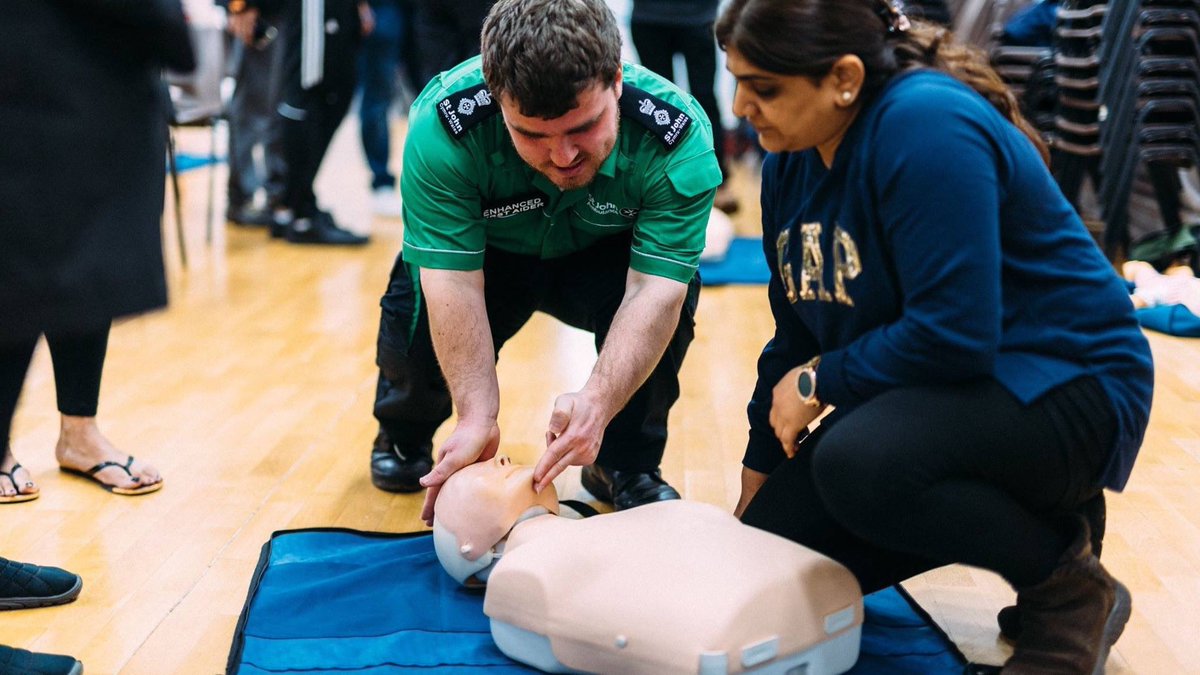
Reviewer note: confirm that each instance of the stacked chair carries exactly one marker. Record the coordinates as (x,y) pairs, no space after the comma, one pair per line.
(1128,80)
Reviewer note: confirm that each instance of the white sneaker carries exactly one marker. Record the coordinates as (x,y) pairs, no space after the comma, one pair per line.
(385,201)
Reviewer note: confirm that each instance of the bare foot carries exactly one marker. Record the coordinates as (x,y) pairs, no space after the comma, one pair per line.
(15,486)
(81,446)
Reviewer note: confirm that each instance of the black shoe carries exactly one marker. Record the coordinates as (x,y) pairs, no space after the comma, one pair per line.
(627,489)
(320,229)
(281,222)
(23,586)
(31,663)
(248,216)
(396,470)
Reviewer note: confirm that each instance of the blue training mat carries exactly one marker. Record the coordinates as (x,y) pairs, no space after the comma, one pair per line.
(184,162)
(1170,319)
(743,264)
(344,601)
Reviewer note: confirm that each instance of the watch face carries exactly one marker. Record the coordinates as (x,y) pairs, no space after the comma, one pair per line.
(805,384)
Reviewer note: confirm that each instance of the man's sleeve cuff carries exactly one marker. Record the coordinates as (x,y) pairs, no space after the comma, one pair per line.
(661,266)
(437,259)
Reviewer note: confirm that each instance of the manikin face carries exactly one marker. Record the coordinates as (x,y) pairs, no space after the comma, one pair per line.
(791,113)
(568,150)
(480,503)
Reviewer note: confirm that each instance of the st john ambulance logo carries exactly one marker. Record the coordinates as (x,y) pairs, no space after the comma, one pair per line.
(464,109)
(661,119)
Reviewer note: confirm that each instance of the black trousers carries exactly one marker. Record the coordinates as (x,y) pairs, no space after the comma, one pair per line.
(583,290)
(923,477)
(657,45)
(446,33)
(78,364)
(310,118)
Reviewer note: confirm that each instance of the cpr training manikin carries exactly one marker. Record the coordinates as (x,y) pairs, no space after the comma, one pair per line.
(670,587)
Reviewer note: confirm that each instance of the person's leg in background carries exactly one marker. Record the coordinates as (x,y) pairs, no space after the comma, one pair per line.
(435,38)
(312,115)
(470,17)
(16,485)
(656,45)
(78,366)
(378,64)
(447,33)
(252,123)
(699,50)
(309,120)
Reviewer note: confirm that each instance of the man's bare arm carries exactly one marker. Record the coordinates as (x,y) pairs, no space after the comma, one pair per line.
(640,332)
(462,339)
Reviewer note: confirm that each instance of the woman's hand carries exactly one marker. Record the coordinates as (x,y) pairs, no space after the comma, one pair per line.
(789,415)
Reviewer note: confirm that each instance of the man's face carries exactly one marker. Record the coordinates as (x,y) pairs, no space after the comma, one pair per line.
(569,149)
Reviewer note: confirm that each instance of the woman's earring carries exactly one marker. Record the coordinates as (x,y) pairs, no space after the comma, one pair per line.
(847,97)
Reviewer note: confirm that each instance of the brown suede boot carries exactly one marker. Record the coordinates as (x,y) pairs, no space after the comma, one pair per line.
(1095,511)
(1071,620)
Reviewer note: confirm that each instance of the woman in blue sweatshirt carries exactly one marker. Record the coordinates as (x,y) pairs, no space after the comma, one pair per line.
(934,289)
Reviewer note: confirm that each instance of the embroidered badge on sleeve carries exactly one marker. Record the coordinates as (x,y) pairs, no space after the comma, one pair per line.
(664,121)
(463,110)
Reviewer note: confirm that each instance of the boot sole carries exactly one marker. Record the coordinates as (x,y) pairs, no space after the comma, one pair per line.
(1115,625)
(48,601)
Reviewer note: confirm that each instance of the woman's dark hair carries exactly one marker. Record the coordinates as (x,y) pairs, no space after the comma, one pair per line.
(806,37)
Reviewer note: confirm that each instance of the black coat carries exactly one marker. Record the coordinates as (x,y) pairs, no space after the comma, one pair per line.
(82,159)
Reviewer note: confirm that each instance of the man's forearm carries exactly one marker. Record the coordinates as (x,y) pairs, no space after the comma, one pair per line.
(640,332)
(462,338)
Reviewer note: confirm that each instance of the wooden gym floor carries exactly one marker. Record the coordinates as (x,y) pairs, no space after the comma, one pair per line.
(252,394)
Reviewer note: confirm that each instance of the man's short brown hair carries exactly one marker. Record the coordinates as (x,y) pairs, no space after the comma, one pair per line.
(543,53)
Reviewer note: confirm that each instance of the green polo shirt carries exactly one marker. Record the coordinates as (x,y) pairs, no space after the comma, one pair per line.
(465,188)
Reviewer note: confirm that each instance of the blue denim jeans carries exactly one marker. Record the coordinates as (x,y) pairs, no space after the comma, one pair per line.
(378,62)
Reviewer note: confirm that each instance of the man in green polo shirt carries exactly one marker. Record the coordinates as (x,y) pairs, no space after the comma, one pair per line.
(544,175)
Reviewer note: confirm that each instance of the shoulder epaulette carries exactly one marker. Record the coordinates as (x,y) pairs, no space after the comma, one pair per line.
(664,121)
(463,110)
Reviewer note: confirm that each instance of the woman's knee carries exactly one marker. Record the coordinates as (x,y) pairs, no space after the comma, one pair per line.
(850,480)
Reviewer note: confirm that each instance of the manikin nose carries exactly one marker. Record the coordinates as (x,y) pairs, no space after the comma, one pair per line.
(502,460)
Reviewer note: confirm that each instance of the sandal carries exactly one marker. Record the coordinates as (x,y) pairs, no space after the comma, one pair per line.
(90,474)
(19,496)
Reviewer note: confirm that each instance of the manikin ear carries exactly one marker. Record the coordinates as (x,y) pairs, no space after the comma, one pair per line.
(845,80)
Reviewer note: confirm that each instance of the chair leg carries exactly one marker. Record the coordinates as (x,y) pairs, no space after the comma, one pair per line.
(175,191)
(212,179)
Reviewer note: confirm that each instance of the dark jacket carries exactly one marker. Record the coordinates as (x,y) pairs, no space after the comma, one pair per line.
(82,159)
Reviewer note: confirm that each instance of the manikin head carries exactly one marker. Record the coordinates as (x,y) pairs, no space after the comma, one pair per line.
(477,507)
